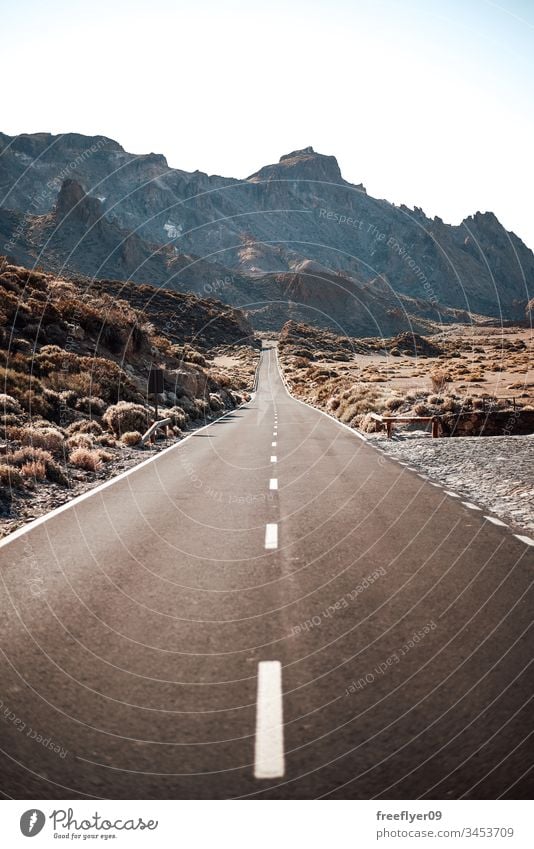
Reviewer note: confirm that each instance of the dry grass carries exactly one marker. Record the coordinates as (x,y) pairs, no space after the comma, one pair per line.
(131,438)
(86,459)
(35,469)
(124,416)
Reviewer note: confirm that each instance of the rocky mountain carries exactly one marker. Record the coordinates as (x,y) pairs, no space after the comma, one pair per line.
(295,235)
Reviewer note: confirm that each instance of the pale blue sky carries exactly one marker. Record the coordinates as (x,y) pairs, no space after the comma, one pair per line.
(427,103)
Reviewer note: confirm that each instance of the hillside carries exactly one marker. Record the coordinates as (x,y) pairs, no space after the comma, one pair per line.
(76,355)
(151,223)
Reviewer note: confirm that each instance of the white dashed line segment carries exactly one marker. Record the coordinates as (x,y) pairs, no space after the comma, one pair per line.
(271,536)
(496,521)
(269,743)
(273,458)
(273,483)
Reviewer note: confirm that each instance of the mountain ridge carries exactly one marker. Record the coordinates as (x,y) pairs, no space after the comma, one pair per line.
(299,210)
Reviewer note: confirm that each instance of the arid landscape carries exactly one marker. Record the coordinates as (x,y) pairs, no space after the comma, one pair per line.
(76,356)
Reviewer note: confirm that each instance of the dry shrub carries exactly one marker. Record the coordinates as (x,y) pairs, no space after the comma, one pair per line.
(84,458)
(35,469)
(450,405)
(10,477)
(421,409)
(125,416)
(216,403)
(131,437)
(8,404)
(47,438)
(80,440)
(31,454)
(91,405)
(107,440)
(85,426)
(178,417)
(394,403)
(105,456)
(438,378)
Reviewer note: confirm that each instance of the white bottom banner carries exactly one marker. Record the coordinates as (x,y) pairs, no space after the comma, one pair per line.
(262,824)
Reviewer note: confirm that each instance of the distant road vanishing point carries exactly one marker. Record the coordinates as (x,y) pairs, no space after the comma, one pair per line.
(269,609)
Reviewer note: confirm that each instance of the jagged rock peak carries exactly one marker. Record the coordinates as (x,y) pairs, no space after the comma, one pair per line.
(73,201)
(303,164)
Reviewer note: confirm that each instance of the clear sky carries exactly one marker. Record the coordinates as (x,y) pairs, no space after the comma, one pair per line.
(427,102)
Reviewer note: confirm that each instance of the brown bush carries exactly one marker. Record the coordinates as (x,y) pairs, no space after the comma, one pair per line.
(47,437)
(31,454)
(80,440)
(8,404)
(85,426)
(421,409)
(216,403)
(36,470)
(125,416)
(84,458)
(105,456)
(438,378)
(178,417)
(10,477)
(91,405)
(131,438)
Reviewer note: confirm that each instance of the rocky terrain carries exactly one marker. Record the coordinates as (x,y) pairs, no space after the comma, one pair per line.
(455,370)
(293,241)
(76,355)
(458,372)
(495,474)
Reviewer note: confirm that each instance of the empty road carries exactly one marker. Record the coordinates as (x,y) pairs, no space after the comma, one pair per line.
(269,609)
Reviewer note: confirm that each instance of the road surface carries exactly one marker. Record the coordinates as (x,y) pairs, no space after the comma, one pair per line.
(270,609)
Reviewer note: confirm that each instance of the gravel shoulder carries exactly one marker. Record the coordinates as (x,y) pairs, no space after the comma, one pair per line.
(494,472)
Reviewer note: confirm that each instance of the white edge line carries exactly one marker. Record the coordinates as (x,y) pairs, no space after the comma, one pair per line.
(96,489)
(471,506)
(526,540)
(496,521)
(269,740)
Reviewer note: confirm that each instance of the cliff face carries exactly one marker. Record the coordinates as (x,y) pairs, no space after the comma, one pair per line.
(295,211)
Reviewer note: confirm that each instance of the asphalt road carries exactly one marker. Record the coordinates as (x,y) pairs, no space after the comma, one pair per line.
(192,632)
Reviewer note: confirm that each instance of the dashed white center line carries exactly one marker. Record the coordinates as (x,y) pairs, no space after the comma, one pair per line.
(526,540)
(273,458)
(273,444)
(471,506)
(271,536)
(273,483)
(496,521)
(269,743)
